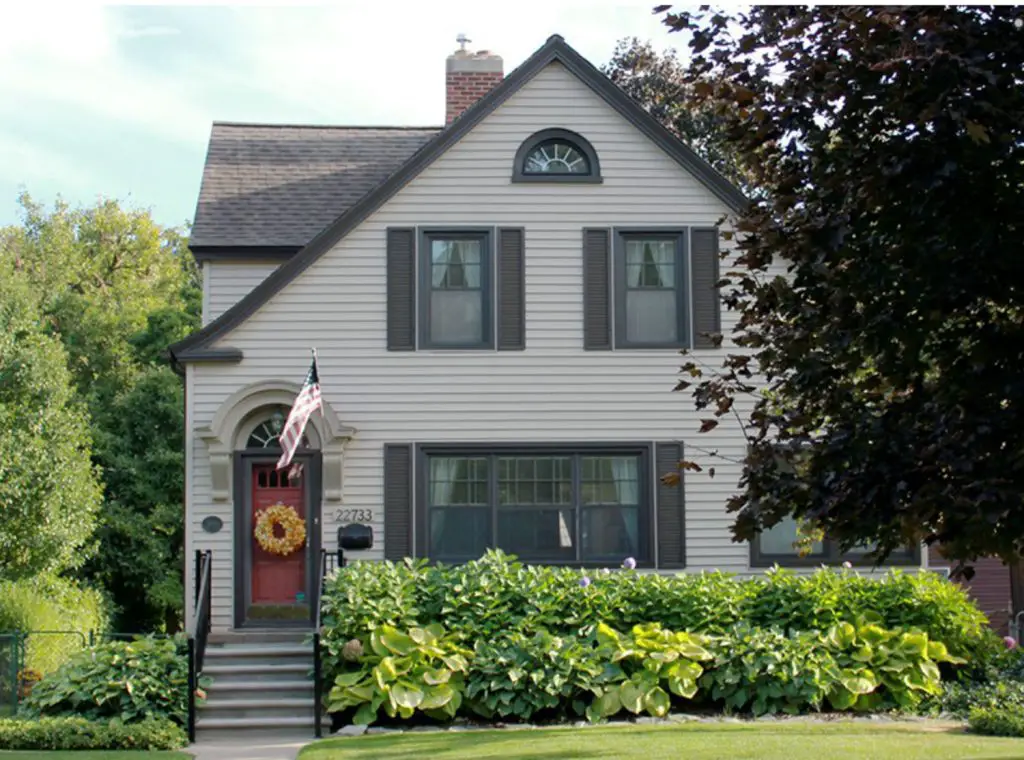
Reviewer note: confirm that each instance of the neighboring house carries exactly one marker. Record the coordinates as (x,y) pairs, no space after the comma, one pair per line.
(498,307)
(993,588)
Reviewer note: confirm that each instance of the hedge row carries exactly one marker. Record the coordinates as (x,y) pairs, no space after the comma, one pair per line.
(495,594)
(78,733)
(650,669)
(50,604)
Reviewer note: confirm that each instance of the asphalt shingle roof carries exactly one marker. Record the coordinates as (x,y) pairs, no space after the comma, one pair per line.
(272,185)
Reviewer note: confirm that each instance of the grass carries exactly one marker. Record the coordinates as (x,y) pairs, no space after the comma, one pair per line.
(89,755)
(796,740)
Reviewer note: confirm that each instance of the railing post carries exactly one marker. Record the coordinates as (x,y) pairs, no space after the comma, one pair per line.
(192,686)
(196,578)
(318,691)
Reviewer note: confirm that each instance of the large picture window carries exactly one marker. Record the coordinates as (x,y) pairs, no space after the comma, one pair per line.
(544,504)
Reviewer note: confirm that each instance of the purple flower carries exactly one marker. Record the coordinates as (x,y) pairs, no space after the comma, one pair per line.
(629,563)
(584,582)
(847,564)
(1011,643)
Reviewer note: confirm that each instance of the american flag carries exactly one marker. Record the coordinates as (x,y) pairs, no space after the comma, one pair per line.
(307,402)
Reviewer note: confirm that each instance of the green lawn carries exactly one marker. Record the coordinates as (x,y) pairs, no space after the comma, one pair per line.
(81,755)
(692,741)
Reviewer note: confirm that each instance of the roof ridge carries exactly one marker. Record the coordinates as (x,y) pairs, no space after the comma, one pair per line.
(269,125)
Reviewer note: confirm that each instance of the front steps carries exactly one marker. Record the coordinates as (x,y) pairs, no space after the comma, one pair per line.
(261,681)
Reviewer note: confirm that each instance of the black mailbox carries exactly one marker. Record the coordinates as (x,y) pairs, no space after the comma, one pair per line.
(355,536)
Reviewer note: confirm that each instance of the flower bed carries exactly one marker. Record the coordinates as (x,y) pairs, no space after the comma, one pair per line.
(501,640)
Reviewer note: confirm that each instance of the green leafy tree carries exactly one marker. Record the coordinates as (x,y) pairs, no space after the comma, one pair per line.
(49,490)
(139,444)
(880,276)
(117,289)
(658,82)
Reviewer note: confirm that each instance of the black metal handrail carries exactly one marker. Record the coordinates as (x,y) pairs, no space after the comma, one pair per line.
(199,632)
(327,566)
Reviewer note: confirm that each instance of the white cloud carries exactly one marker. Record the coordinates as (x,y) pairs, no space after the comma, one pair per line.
(149,31)
(69,61)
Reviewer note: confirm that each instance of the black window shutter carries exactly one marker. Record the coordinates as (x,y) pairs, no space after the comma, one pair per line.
(707,302)
(511,290)
(397,501)
(597,297)
(671,507)
(401,289)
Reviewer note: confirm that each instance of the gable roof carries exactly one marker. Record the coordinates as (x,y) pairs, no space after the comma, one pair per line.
(269,185)
(195,346)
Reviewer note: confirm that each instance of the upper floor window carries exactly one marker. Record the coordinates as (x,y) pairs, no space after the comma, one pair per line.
(651,289)
(457,298)
(556,155)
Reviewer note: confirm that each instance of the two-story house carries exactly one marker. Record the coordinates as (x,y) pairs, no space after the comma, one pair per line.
(498,307)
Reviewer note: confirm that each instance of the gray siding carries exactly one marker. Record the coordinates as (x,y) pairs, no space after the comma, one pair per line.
(551,391)
(225,283)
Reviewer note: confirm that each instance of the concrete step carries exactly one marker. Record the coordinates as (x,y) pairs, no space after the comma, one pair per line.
(266,742)
(276,654)
(262,672)
(288,636)
(270,707)
(242,690)
(205,725)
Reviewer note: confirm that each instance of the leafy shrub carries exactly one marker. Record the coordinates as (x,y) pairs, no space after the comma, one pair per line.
(768,671)
(644,667)
(881,668)
(960,698)
(495,594)
(50,604)
(403,672)
(79,733)
(132,681)
(521,676)
(1005,721)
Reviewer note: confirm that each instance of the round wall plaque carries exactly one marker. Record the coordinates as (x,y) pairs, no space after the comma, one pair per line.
(212,524)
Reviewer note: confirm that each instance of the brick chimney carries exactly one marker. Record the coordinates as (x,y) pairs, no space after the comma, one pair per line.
(469,76)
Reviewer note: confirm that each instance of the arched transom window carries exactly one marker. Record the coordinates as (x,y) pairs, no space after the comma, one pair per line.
(556,155)
(266,432)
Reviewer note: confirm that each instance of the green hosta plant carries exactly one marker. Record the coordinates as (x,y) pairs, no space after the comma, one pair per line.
(884,668)
(645,666)
(520,675)
(767,671)
(419,670)
(129,680)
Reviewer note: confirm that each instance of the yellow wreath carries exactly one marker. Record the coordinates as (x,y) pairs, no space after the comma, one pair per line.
(294,537)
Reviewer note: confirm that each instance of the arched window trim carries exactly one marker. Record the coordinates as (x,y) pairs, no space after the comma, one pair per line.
(577,141)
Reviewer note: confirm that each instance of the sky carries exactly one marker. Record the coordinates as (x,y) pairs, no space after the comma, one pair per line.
(117,102)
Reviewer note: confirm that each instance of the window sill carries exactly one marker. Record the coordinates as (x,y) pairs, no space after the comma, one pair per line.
(764,563)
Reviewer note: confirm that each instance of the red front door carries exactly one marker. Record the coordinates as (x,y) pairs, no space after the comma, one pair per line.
(278,584)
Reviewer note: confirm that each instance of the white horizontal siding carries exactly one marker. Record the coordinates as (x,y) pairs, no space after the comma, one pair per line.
(552,391)
(225,283)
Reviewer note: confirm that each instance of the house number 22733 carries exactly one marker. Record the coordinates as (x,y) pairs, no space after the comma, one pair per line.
(353,516)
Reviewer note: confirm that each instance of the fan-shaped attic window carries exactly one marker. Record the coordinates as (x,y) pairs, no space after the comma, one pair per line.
(556,155)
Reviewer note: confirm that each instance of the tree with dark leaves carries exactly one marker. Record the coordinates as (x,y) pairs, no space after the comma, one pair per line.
(879,277)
